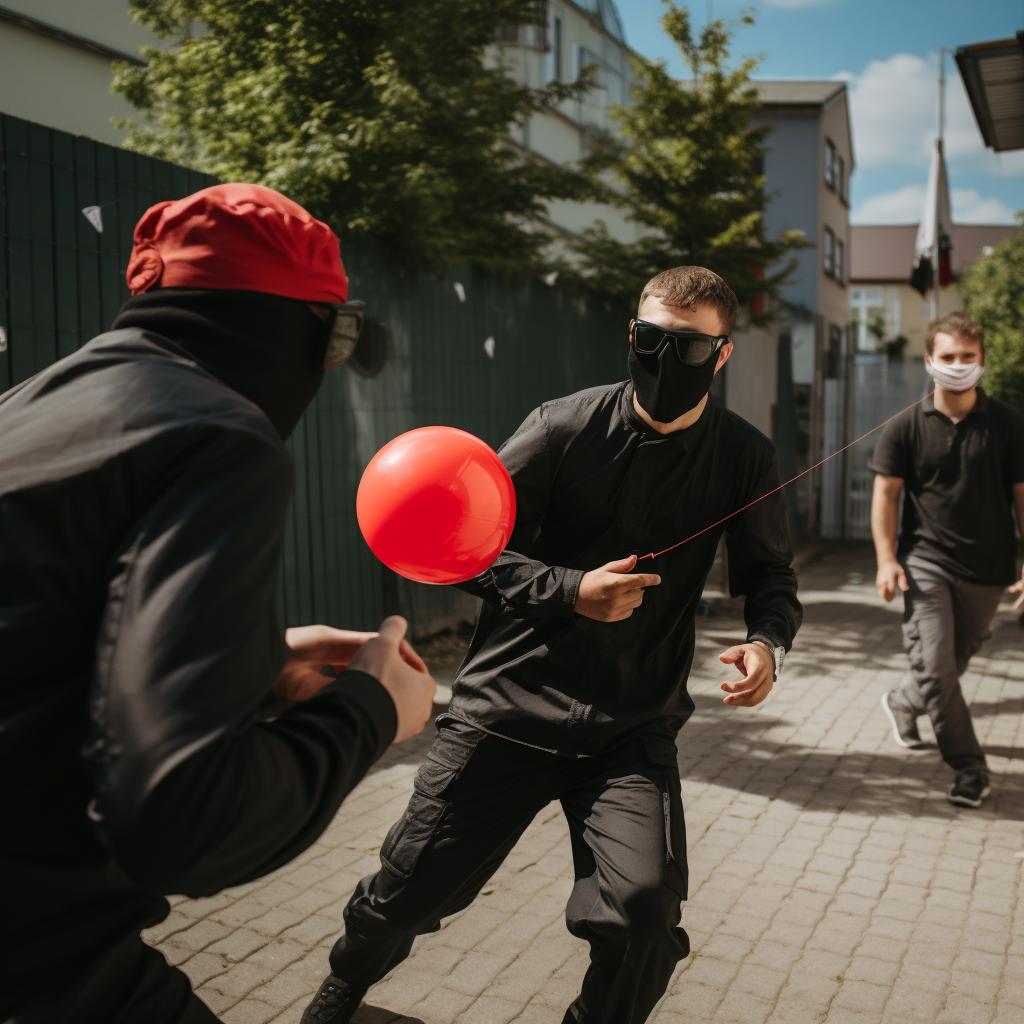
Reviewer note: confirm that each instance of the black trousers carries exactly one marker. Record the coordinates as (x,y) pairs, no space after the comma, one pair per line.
(472,800)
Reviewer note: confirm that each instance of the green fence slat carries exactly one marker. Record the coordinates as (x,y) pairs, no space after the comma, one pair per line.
(90,312)
(107,244)
(40,214)
(65,235)
(19,253)
(5,312)
(318,568)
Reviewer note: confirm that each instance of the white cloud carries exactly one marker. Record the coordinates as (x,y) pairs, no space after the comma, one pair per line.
(904,205)
(893,107)
(971,208)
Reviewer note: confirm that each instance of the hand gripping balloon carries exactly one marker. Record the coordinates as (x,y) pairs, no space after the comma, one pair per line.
(436,505)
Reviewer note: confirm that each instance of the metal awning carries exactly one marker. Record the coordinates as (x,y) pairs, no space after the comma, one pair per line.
(993,75)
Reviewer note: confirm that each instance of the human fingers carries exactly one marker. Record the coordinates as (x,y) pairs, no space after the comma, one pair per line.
(901,579)
(392,629)
(411,658)
(731,656)
(324,644)
(755,667)
(754,695)
(413,694)
(637,581)
(620,564)
(753,662)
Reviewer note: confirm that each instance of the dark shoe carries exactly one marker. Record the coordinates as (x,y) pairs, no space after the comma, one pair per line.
(970,788)
(334,1002)
(904,724)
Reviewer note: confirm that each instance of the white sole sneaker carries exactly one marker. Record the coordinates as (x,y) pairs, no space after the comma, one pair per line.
(965,801)
(896,729)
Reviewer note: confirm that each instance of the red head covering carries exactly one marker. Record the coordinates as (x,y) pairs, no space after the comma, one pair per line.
(242,237)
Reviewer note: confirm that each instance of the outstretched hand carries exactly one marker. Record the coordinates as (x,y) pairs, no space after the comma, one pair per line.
(758,668)
(612,592)
(313,647)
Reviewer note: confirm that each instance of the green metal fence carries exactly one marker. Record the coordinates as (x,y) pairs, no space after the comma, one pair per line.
(61,280)
(427,357)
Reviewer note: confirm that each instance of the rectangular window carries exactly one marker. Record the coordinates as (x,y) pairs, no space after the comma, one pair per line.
(839,260)
(830,161)
(840,176)
(556,48)
(827,251)
(589,68)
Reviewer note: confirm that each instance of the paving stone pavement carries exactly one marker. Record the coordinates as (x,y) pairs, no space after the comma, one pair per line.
(830,880)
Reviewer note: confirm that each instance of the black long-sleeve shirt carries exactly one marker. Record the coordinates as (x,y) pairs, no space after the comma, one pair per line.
(142,504)
(594,483)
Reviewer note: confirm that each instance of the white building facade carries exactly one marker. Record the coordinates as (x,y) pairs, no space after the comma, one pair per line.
(579,37)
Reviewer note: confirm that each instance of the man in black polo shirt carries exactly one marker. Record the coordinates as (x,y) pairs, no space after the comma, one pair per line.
(960,456)
(574,687)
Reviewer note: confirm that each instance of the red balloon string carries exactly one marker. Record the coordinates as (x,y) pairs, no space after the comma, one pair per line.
(678,544)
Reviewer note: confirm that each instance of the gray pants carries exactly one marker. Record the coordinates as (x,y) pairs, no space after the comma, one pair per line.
(945,622)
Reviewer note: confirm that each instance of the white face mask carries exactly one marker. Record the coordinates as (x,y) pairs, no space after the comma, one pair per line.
(956,376)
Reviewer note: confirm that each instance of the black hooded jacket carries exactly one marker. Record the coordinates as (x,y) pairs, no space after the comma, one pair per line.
(143,492)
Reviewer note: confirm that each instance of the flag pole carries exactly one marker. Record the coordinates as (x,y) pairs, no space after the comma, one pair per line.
(938,146)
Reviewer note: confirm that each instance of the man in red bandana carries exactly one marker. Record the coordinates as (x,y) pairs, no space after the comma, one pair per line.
(155,731)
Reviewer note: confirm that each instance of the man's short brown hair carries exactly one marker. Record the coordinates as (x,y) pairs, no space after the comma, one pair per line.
(694,286)
(958,324)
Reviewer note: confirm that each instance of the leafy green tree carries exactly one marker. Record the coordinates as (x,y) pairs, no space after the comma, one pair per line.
(993,293)
(387,118)
(687,168)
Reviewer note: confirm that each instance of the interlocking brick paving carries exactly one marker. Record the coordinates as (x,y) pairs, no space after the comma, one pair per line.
(830,880)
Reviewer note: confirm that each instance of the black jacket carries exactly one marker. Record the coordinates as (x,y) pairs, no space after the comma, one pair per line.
(594,484)
(142,503)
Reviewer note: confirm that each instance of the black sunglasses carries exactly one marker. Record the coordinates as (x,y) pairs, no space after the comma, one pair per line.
(346,326)
(691,348)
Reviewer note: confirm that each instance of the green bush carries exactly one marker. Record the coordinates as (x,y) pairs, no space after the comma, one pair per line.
(993,293)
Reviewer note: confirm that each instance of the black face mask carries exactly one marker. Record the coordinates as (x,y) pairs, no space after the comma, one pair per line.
(267,348)
(664,387)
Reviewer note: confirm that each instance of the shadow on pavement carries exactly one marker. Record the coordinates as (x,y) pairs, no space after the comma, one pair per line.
(367,1014)
(737,751)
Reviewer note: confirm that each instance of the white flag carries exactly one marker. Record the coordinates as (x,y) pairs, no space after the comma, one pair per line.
(935,232)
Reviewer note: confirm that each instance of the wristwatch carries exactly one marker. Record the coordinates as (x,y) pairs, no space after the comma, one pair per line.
(777,653)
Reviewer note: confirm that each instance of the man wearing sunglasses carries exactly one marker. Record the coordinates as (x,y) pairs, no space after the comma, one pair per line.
(155,731)
(574,687)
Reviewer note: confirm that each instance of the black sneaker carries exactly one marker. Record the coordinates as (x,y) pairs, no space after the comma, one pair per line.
(969,788)
(904,724)
(334,1002)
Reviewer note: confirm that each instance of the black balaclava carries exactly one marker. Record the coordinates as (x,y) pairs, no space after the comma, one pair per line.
(267,348)
(664,387)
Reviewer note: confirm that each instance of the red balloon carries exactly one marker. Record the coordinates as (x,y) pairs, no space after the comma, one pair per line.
(436,505)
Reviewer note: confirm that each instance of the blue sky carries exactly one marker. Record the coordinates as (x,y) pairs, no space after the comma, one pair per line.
(887,50)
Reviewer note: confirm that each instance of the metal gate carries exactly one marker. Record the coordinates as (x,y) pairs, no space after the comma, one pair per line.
(871,389)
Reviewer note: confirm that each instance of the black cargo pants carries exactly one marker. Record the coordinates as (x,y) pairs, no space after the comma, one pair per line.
(473,798)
